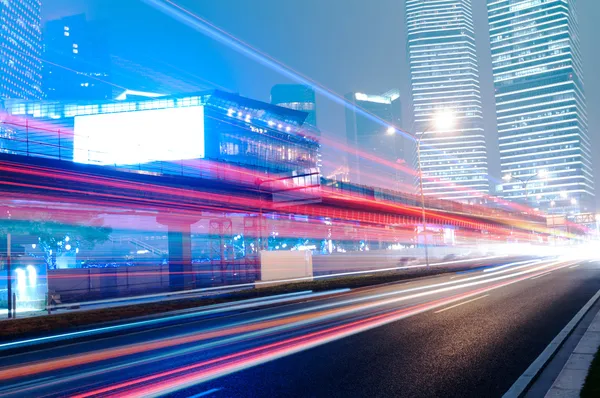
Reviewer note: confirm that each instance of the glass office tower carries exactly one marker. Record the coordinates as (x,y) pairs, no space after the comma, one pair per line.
(445,79)
(20,49)
(77,60)
(374,153)
(297,97)
(542,121)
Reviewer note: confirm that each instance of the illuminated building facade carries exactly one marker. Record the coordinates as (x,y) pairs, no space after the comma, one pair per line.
(445,78)
(373,151)
(540,104)
(298,97)
(162,134)
(77,60)
(20,49)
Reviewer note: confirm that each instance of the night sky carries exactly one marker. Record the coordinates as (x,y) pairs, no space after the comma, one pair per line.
(346,45)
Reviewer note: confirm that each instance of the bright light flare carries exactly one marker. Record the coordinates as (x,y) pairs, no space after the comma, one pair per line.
(32,275)
(444,120)
(137,137)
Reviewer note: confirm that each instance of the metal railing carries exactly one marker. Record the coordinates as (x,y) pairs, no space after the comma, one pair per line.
(138,243)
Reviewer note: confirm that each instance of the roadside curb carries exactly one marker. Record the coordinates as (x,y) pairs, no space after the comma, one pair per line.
(528,377)
(571,379)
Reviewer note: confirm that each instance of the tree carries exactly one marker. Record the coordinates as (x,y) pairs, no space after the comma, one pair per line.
(57,238)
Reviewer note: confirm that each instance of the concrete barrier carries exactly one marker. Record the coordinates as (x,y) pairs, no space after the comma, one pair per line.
(285,265)
(384,259)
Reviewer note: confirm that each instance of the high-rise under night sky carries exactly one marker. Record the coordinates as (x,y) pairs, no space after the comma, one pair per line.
(445,78)
(20,65)
(540,104)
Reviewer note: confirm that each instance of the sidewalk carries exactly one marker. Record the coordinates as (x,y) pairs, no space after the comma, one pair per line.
(572,377)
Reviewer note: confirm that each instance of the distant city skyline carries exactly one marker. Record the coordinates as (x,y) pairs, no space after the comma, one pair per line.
(341,67)
(73,43)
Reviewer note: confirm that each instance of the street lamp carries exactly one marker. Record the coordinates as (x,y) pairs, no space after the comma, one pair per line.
(259,182)
(541,173)
(443,120)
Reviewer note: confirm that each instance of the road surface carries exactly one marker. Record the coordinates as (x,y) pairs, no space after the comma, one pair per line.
(463,334)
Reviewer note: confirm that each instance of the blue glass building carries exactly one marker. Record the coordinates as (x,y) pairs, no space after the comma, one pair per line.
(373,151)
(77,60)
(298,97)
(163,134)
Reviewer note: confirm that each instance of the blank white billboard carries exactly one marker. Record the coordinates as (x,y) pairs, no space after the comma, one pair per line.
(135,137)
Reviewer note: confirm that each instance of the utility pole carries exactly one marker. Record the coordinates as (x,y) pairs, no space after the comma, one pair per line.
(9,275)
(424,218)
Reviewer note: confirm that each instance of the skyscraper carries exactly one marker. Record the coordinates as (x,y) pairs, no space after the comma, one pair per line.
(20,49)
(540,103)
(445,78)
(297,97)
(77,60)
(373,151)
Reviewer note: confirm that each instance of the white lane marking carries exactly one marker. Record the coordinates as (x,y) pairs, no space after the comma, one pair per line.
(18,386)
(576,265)
(459,304)
(510,265)
(205,393)
(539,276)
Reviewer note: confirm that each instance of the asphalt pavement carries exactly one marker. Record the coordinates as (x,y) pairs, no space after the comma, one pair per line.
(456,335)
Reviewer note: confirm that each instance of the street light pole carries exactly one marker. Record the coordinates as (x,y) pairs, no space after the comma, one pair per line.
(525,182)
(422,198)
(9,293)
(443,120)
(552,204)
(259,182)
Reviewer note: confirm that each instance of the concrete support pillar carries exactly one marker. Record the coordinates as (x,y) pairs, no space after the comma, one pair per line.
(181,273)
